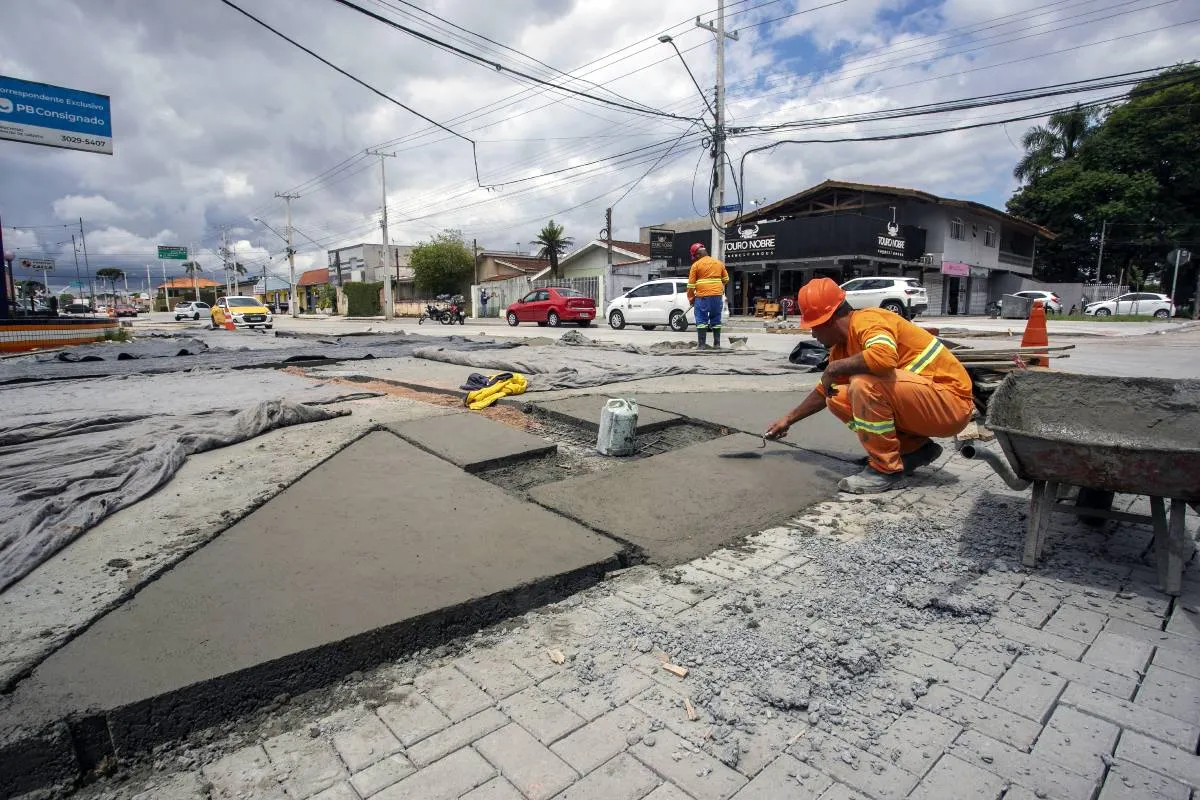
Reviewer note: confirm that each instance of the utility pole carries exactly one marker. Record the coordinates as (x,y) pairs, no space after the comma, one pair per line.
(608,233)
(718,230)
(78,277)
(291,254)
(1100,258)
(4,299)
(225,259)
(149,293)
(86,266)
(389,305)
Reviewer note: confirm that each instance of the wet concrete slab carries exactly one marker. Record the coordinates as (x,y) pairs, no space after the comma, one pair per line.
(472,441)
(381,550)
(752,412)
(684,504)
(585,412)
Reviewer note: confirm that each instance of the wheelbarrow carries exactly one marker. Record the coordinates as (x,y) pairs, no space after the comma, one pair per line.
(1101,435)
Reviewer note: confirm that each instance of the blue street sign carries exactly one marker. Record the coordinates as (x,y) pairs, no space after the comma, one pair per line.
(39,113)
(728,208)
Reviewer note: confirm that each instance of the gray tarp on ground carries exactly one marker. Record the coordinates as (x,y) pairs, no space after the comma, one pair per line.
(73,452)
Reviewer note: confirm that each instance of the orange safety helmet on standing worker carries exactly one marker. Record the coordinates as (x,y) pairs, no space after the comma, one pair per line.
(892,382)
(706,290)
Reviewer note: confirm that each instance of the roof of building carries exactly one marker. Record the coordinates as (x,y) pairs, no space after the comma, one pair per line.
(185,282)
(314,277)
(520,264)
(272,284)
(640,248)
(791,205)
(628,250)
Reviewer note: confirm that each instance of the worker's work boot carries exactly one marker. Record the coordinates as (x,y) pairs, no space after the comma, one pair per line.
(716,340)
(870,481)
(923,456)
(702,339)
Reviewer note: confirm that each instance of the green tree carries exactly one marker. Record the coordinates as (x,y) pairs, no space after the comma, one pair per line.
(65,298)
(328,297)
(112,275)
(553,243)
(31,288)
(191,268)
(442,265)
(1057,141)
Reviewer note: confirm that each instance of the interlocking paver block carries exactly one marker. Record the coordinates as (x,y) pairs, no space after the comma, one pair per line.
(996,722)
(498,676)
(541,715)
(341,791)
(453,692)
(1119,609)
(245,771)
(181,786)
(379,776)
(1121,686)
(1182,765)
(568,689)
(1128,715)
(623,778)
(1184,621)
(1027,691)
(1128,781)
(840,791)
(1119,654)
(953,777)
(987,653)
(697,773)
(960,678)
(453,776)
(1176,662)
(916,740)
(306,765)
(366,741)
(495,789)
(526,763)
(457,735)
(927,642)
(785,777)
(1155,637)
(1078,741)
(1067,648)
(668,791)
(412,717)
(600,740)
(863,771)
(1024,769)
(1073,622)
(1171,693)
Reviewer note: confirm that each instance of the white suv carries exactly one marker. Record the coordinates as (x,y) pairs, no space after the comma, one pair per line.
(655,303)
(903,296)
(194,310)
(1142,304)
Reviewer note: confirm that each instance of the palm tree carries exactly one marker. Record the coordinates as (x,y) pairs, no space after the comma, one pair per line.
(553,243)
(190,268)
(1057,141)
(112,275)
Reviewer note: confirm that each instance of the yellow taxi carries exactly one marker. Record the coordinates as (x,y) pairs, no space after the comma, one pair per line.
(247,312)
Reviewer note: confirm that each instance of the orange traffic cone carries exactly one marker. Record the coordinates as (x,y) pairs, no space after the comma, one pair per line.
(229,326)
(1035,334)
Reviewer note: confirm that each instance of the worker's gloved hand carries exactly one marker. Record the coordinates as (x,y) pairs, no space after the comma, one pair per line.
(777,429)
(827,382)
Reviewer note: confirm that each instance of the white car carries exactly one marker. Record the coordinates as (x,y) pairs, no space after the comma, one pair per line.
(903,296)
(1050,301)
(656,303)
(191,310)
(1141,304)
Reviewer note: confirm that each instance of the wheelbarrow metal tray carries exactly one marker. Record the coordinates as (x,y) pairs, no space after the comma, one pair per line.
(1131,435)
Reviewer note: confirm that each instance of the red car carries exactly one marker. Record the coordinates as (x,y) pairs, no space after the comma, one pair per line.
(553,306)
(126,310)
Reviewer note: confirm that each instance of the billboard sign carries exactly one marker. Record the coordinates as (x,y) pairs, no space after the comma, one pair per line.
(171,253)
(662,243)
(44,264)
(39,113)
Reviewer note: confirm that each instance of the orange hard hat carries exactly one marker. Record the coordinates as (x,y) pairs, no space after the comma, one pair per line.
(697,247)
(818,299)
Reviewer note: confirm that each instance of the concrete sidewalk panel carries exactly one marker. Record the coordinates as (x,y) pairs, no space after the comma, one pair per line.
(473,441)
(752,412)
(380,551)
(585,412)
(684,504)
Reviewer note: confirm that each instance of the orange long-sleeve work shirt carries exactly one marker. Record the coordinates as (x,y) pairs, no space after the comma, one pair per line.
(707,278)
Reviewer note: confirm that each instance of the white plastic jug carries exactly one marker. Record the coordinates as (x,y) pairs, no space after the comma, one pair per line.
(618,427)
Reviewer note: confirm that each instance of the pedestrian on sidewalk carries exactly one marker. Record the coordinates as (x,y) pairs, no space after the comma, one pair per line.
(706,291)
(890,381)
(483,301)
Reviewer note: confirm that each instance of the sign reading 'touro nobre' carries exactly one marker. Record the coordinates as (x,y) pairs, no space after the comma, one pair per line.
(39,113)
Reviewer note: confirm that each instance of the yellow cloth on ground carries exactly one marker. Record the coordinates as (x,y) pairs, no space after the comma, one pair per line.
(482,398)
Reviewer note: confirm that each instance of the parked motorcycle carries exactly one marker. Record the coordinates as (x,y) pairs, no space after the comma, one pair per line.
(457,311)
(431,312)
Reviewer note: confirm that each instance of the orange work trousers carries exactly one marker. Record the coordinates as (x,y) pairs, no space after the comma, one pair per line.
(897,414)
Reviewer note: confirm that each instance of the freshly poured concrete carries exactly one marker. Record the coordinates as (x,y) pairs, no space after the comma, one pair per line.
(585,412)
(752,412)
(472,441)
(381,549)
(684,504)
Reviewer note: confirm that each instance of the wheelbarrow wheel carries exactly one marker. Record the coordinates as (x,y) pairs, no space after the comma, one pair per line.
(1094,498)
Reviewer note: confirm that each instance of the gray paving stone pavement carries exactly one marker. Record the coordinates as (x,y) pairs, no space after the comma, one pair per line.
(811,674)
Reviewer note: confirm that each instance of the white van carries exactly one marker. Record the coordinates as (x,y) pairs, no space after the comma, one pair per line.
(656,303)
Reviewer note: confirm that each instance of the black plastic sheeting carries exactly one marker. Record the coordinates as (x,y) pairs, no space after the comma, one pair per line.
(141,348)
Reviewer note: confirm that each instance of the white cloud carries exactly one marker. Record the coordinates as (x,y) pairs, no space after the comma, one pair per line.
(95,207)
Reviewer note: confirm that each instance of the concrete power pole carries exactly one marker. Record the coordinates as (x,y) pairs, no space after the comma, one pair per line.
(291,254)
(608,233)
(1100,257)
(389,305)
(718,230)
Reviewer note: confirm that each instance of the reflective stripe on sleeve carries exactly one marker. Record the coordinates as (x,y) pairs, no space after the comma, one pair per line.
(880,339)
(926,357)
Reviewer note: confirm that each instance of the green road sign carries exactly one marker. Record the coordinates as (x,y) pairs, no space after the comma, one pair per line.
(166,253)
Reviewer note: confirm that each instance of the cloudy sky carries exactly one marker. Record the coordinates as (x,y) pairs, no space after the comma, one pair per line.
(213,114)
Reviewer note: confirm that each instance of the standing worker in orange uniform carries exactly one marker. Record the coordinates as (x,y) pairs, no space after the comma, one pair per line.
(706,291)
(891,382)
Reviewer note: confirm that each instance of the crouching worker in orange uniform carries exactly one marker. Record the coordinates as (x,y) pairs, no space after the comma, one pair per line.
(891,382)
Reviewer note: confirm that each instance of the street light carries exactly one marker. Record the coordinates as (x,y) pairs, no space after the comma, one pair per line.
(665,39)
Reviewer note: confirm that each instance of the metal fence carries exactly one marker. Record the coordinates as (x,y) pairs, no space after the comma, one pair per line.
(589,287)
(501,294)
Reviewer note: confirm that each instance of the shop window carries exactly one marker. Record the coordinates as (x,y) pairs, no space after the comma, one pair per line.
(989,236)
(957,229)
